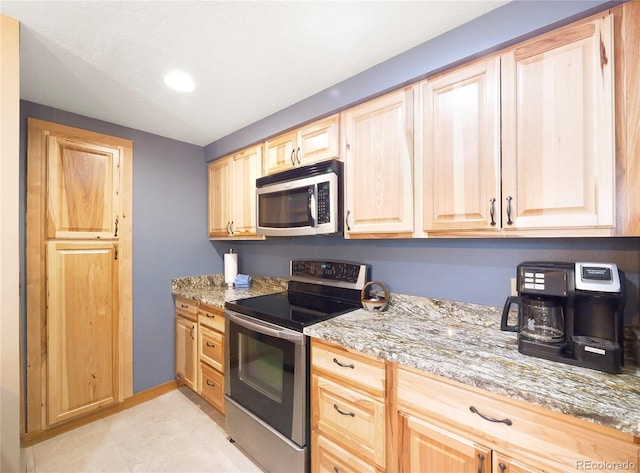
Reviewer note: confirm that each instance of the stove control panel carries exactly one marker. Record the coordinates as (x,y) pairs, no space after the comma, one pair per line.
(336,273)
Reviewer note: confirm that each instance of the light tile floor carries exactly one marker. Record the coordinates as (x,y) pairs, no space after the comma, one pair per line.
(173,433)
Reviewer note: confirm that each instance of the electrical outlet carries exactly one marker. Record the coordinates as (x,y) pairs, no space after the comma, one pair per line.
(514,287)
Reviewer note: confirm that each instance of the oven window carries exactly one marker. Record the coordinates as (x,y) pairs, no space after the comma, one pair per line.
(260,367)
(262,375)
(284,209)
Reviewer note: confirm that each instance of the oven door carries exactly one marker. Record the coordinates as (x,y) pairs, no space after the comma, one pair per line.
(266,370)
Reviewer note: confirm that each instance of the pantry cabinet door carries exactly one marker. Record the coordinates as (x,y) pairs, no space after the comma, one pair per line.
(220,198)
(378,150)
(83,189)
(246,167)
(82,327)
(461,145)
(558,129)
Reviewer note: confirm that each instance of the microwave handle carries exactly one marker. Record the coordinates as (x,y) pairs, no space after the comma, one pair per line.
(312,207)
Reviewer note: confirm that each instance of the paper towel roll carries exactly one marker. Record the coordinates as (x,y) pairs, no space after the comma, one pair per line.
(230,268)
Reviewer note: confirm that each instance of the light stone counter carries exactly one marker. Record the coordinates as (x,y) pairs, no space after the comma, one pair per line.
(211,289)
(463,342)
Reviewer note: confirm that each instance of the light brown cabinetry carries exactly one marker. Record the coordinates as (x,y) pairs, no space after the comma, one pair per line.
(378,152)
(232,199)
(461,148)
(558,155)
(186,345)
(317,141)
(82,335)
(347,410)
(481,430)
(211,329)
(79,273)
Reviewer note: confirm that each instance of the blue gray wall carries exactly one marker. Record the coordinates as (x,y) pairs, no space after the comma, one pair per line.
(169,233)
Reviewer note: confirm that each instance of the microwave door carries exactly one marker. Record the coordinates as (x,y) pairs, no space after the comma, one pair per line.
(284,210)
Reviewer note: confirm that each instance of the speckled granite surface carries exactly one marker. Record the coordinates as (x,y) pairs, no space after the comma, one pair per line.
(212,290)
(463,342)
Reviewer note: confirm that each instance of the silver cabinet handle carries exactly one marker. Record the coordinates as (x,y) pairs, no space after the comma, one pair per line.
(210,345)
(346,220)
(191,332)
(509,221)
(298,155)
(293,161)
(480,462)
(492,210)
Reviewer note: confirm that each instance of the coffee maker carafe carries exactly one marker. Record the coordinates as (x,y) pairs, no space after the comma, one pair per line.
(570,312)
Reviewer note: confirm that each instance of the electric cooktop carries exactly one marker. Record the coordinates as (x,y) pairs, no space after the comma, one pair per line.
(317,291)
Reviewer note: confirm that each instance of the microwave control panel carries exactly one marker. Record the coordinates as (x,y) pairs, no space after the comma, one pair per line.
(324,202)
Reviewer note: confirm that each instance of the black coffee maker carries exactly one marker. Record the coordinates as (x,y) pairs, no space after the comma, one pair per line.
(570,312)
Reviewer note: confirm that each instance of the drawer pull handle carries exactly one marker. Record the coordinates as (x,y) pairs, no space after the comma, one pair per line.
(210,345)
(342,365)
(480,462)
(209,383)
(340,411)
(503,467)
(490,419)
(211,316)
(184,306)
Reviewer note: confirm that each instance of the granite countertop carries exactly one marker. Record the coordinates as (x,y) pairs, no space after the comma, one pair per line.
(458,341)
(211,289)
(464,343)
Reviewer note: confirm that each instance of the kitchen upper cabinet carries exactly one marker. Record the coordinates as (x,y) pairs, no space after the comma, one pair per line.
(461,148)
(558,161)
(378,152)
(83,189)
(317,141)
(232,194)
(82,323)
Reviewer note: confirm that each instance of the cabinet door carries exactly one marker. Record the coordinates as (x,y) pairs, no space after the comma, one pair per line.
(186,351)
(219,198)
(461,145)
(319,141)
(427,447)
(82,327)
(504,464)
(378,150)
(280,153)
(246,168)
(83,189)
(558,129)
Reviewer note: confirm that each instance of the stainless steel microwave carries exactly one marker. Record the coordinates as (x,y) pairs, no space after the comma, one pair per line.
(301,201)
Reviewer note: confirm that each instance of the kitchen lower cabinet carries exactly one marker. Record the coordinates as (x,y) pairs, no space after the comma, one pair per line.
(447,426)
(211,334)
(348,410)
(426,447)
(186,344)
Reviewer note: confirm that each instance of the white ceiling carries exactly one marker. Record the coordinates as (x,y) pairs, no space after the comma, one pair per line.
(249,59)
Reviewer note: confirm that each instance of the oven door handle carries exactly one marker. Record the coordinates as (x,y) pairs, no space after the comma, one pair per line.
(256,326)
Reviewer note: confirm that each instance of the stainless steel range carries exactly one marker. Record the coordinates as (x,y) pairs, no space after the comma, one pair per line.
(267,360)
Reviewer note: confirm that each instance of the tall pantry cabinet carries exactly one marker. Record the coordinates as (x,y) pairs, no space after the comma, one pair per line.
(79,274)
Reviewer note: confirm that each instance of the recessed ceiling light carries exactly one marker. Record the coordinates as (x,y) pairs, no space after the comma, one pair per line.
(180,81)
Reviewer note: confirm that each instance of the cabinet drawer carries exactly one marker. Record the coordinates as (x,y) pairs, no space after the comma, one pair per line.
(353,419)
(366,372)
(328,457)
(212,386)
(536,433)
(211,348)
(187,308)
(212,317)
